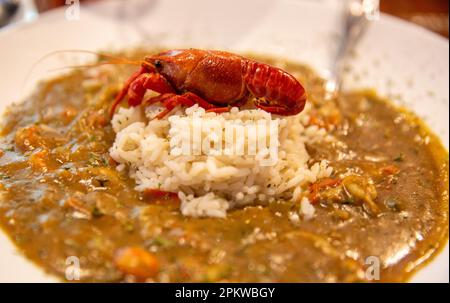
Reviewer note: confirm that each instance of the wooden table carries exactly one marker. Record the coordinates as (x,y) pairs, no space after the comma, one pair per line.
(431,14)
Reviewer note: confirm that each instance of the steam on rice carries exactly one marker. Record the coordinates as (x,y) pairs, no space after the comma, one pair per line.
(209,185)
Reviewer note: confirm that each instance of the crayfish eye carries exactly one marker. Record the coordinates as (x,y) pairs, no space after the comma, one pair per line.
(158,63)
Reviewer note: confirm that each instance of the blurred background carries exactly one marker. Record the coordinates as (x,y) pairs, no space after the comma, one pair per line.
(431,14)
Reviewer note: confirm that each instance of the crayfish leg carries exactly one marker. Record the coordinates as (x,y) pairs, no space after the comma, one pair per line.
(124,90)
(277,110)
(219,110)
(170,101)
(147,81)
(138,84)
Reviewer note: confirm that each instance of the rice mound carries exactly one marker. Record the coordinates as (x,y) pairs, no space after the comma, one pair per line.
(210,185)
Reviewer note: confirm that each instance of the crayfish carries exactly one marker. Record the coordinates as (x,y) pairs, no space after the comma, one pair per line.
(215,80)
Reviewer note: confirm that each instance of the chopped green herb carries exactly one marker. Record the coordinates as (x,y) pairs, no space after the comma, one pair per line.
(162,241)
(96,160)
(96,212)
(102,180)
(129,227)
(4,176)
(399,158)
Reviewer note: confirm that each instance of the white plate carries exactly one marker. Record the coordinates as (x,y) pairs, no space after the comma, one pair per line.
(400,60)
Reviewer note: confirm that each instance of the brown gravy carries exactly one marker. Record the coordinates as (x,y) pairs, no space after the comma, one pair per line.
(61,196)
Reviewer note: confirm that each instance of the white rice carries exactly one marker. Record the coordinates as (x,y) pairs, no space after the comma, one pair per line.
(307,209)
(210,185)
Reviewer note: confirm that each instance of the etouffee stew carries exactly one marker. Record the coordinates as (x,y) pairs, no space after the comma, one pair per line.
(61,196)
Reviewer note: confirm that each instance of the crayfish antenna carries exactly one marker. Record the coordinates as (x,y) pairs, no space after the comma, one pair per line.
(111,60)
(85,66)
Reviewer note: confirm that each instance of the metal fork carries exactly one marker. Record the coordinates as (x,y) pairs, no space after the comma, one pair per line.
(357,14)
